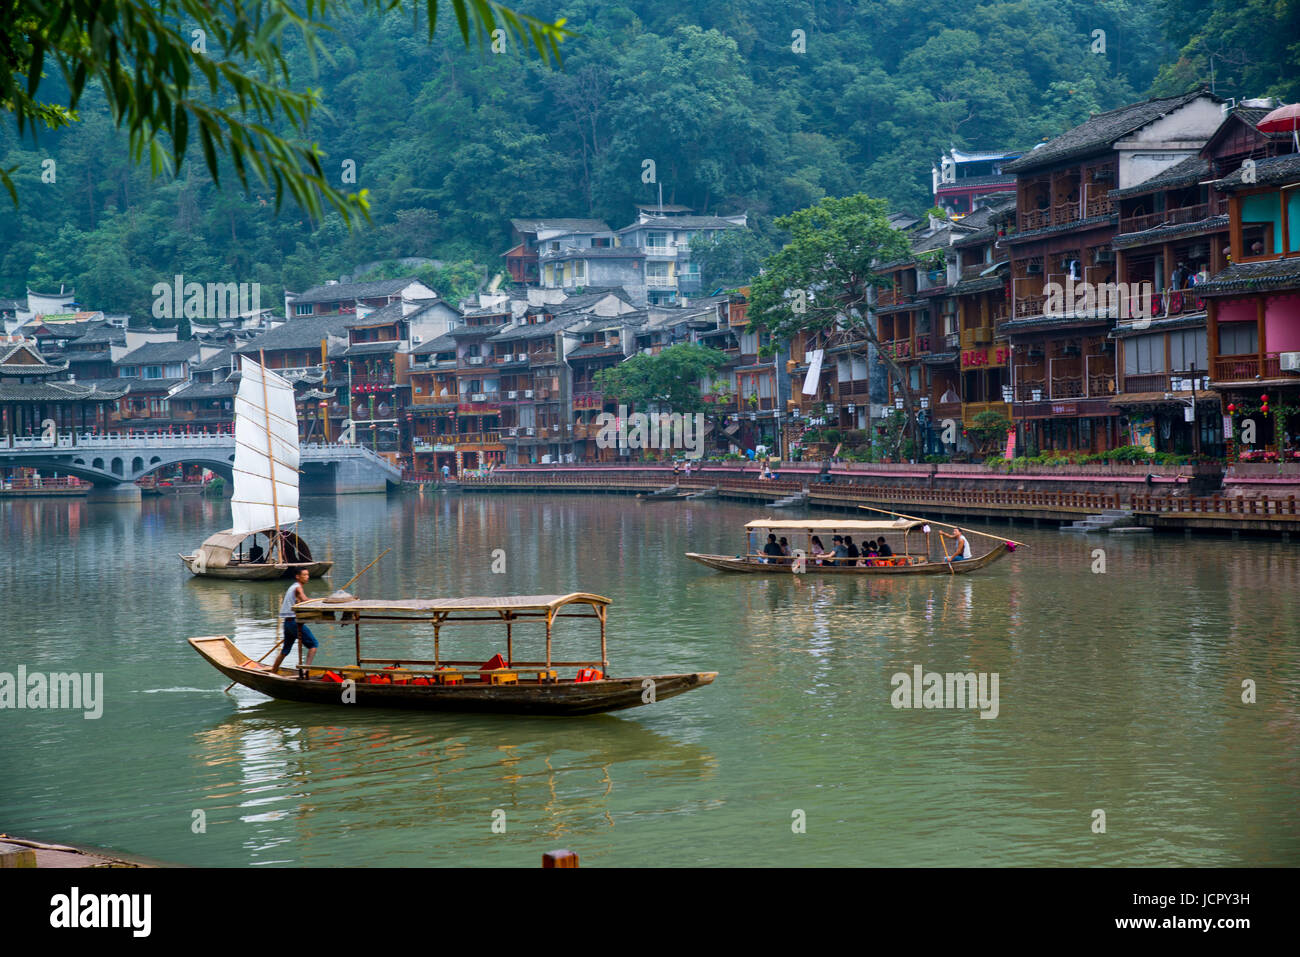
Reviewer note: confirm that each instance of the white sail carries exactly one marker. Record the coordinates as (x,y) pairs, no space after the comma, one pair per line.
(266,457)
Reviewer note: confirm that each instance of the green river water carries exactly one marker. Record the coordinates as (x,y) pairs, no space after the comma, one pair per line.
(1118,691)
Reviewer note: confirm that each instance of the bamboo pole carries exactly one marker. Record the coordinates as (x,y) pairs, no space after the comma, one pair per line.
(913,518)
(270,455)
(364,570)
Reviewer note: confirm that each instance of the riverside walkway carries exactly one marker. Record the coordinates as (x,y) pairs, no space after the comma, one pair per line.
(1163,502)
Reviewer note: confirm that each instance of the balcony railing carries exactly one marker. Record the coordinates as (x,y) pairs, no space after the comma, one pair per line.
(888,297)
(445,398)
(899,348)
(1247,368)
(661,282)
(383,380)
(1187,214)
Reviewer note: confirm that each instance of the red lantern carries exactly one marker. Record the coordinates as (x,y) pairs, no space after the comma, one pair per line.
(1264,399)
(1231,408)
(1264,409)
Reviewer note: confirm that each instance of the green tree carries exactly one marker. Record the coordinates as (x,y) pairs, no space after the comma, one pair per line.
(729,258)
(822,279)
(671,377)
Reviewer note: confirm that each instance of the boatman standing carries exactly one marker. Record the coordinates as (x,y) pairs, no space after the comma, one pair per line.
(292,630)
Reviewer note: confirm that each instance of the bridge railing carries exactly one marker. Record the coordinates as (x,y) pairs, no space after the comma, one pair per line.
(116,440)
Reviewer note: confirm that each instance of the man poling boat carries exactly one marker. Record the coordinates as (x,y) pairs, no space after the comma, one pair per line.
(504,683)
(265,498)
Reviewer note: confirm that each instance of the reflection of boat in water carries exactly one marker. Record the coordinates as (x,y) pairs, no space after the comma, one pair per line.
(900,563)
(265,488)
(503,685)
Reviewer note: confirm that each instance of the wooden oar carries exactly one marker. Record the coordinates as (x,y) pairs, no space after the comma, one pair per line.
(913,518)
(946,557)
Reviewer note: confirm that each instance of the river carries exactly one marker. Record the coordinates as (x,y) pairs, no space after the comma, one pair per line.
(1120,680)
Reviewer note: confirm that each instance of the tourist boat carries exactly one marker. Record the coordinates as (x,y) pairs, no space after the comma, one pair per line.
(903,562)
(265,498)
(502,684)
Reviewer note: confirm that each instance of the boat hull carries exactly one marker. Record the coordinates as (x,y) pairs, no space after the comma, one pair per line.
(249,572)
(568,697)
(727,563)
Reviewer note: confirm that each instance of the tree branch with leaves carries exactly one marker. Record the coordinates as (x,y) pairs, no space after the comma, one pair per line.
(175,71)
(821,281)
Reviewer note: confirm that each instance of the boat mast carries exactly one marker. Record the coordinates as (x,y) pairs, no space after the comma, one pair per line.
(270,455)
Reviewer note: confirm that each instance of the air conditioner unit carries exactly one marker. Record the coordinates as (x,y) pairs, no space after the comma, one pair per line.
(1034,269)
(1104,256)
(478,397)
(522,357)
(1290,361)
(530,431)
(983,335)
(476,360)
(528,393)
(512,395)
(1105,175)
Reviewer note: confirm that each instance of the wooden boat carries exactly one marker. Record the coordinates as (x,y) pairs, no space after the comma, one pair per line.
(265,487)
(510,686)
(902,562)
(222,556)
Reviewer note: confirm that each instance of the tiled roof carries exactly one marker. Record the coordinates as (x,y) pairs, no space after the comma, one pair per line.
(157,353)
(347,291)
(682,222)
(1024,323)
(385,347)
(596,252)
(969,181)
(1100,132)
(220,361)
(1274,169)
(60,392)
(593,349)
(102,332)
(1185,173)
(982,284)
(1250,276)
(152,385)
(35,368)
(303,333)
(444,343)
(206,390)
(575,225)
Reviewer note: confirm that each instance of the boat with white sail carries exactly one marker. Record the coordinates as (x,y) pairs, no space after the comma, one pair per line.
(264,509)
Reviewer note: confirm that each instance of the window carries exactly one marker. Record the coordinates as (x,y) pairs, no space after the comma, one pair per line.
(580,271)
(153,372)
(1187,351)
(656,240)
(303,310)
(1261,225)
(1238,339)
(1144,354)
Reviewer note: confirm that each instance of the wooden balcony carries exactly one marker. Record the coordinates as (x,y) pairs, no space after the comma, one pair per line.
(888,297)
(442,399)
(588,400)
(1247,368)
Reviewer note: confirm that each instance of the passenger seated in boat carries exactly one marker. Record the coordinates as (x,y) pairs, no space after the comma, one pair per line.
(785,547)
(772,550)
(841,551)
(819,551)
(255,554)
(853,551)
(882,548)
(869,552)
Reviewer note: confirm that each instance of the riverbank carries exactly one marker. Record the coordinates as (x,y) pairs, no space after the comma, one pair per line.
(1200,499)
(23,852)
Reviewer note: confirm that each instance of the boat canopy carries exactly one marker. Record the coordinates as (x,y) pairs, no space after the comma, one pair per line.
(831,525)
(449,609)
(218,549)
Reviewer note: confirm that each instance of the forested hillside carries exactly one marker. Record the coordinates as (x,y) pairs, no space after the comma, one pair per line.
(737,110)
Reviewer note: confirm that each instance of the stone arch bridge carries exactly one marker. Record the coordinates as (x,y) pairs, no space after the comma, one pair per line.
(117,461)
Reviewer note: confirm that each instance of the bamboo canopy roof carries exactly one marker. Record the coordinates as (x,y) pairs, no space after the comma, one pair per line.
(511,605)
(832,525)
